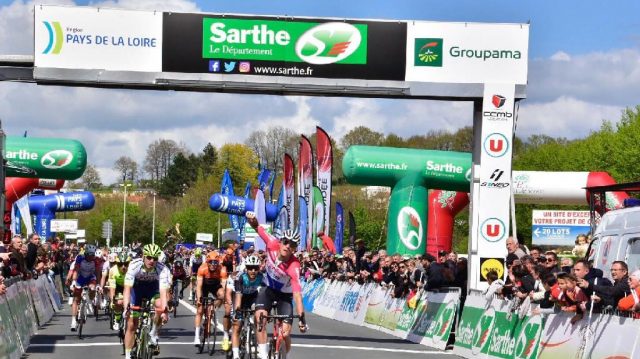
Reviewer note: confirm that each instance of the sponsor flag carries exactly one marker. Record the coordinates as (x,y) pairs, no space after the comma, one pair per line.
(273,180)
(227,189)
(352,230)
(288,186)
(242,220)
(25,213)
(261,216)
(339,228)
(324,166)
(318,216)
(16,223)
(305,170)
(280,224)
(302,224)
(263,178)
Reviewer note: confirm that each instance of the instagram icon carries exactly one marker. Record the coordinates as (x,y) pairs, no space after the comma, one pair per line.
(245,66)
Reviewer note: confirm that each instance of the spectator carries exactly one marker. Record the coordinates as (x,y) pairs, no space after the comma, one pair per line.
(539,290)
(611,295)
(535,254)
(551,293)
(327,242)
(452,256)
(433,272)
(514,247)
(17,261)
(551,262)
(32,250)
(630,301)
(495,285)
(572,298)
(589,276)
(566,265)
(329,266)
(442,256)
(360,250)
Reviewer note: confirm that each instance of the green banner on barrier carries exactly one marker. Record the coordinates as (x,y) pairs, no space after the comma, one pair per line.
(9,340)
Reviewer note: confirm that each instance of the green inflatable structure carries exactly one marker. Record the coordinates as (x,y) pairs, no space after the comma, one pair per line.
(45,158)
(410,173)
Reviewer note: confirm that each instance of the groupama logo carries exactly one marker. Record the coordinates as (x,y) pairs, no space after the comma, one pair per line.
(410,228)
(56,159)
(482,332)
(328,43)
(428,52)
(527,342)
(56,38)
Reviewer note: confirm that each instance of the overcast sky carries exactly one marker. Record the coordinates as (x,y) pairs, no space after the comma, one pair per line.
(584,67)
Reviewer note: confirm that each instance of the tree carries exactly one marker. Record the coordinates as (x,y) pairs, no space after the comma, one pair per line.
(91,178)
(180,176)
(160,155)
(271,145)
(127,167)
(361,135)
(241,162)
(208,159)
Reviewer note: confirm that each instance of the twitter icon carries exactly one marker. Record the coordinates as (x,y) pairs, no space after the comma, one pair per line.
(229,66)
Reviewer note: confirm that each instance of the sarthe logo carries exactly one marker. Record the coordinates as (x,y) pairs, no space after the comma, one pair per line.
(482,331)
(493,229)
(56,37)
(328,43)
(56,159)
(498,101)
(428,52)
(410,228)
(527,342)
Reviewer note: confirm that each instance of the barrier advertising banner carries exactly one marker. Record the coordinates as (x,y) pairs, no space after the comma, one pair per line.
(283,46)
(88,38)
(467,52)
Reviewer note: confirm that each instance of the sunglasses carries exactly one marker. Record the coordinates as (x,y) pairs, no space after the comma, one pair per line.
(290,243)
(550,260)
(214,263)
(253,268)
(149,258)
(403,267)
(123,264)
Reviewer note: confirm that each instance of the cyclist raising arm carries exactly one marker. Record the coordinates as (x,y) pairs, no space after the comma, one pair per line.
(282,281)
(146,278)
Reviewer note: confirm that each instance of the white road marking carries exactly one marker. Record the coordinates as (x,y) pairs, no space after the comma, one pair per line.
(63,345)
(193,310)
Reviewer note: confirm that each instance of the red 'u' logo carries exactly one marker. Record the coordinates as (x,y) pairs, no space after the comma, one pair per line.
(496,145)
(493,230)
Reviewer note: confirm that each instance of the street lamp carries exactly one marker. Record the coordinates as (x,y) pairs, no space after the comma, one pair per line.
(153,221)
(124,209)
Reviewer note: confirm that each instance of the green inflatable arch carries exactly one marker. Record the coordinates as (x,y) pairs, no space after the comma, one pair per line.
(410,173)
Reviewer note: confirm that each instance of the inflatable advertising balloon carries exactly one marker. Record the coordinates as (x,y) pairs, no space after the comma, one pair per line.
(45,158)
(45,208)
(239,206)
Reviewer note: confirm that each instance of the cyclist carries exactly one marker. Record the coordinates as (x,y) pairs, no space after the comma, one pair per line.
(179,273)
(282,281)
(246,288)
(196,260)
(211,276)
(110,261)
(86,271)
(146,278)
(116,286)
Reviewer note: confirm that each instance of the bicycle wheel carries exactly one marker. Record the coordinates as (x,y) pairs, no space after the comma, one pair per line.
(272,348)
(213,332)
(80,318)
(143,347)
(204,335)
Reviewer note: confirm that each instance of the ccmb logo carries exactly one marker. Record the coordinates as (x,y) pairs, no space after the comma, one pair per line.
(496,145)
(493,229)
(56,37)
(428,52)
(498,101)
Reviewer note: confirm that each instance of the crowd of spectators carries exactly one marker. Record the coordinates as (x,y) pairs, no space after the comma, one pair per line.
(403,274)
(562,285)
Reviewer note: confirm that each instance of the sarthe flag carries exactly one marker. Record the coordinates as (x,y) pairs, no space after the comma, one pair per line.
(324,168)
(273,180)
(25,213)
(289,190)
(242,220)
(352,230)
(302,224)
(280,224)
(305,169)
(261,215)
(318,216)
(227,189)
(263,179)
(339,228)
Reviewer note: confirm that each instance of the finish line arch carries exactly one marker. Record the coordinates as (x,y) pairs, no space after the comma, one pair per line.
(483,63)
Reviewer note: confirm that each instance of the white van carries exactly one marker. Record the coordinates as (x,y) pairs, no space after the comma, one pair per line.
(617,237)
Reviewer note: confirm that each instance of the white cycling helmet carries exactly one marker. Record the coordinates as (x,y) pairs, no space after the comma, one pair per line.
(112,257)
(252,261)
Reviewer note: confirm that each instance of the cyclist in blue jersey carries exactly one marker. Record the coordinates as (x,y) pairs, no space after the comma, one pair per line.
(246,286)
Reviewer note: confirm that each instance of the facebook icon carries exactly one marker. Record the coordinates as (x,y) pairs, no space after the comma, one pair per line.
(214,65)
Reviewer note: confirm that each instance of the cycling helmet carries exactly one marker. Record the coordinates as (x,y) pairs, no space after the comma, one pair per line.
(112,257)
(151,250)
(123,258)
(212,256)
(197,252)
(291,235)
(90,250)
(252,261)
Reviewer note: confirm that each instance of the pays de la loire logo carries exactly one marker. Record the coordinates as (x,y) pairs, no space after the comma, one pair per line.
(527,341)
(428,52)
(498,100)
(410,228)
(56,159)
(482,332)
(493,229)
(328,43)
(56,37)
(496,145)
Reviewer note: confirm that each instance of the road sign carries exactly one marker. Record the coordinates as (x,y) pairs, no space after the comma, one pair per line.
(107,229)
(204,237)
(550,227)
